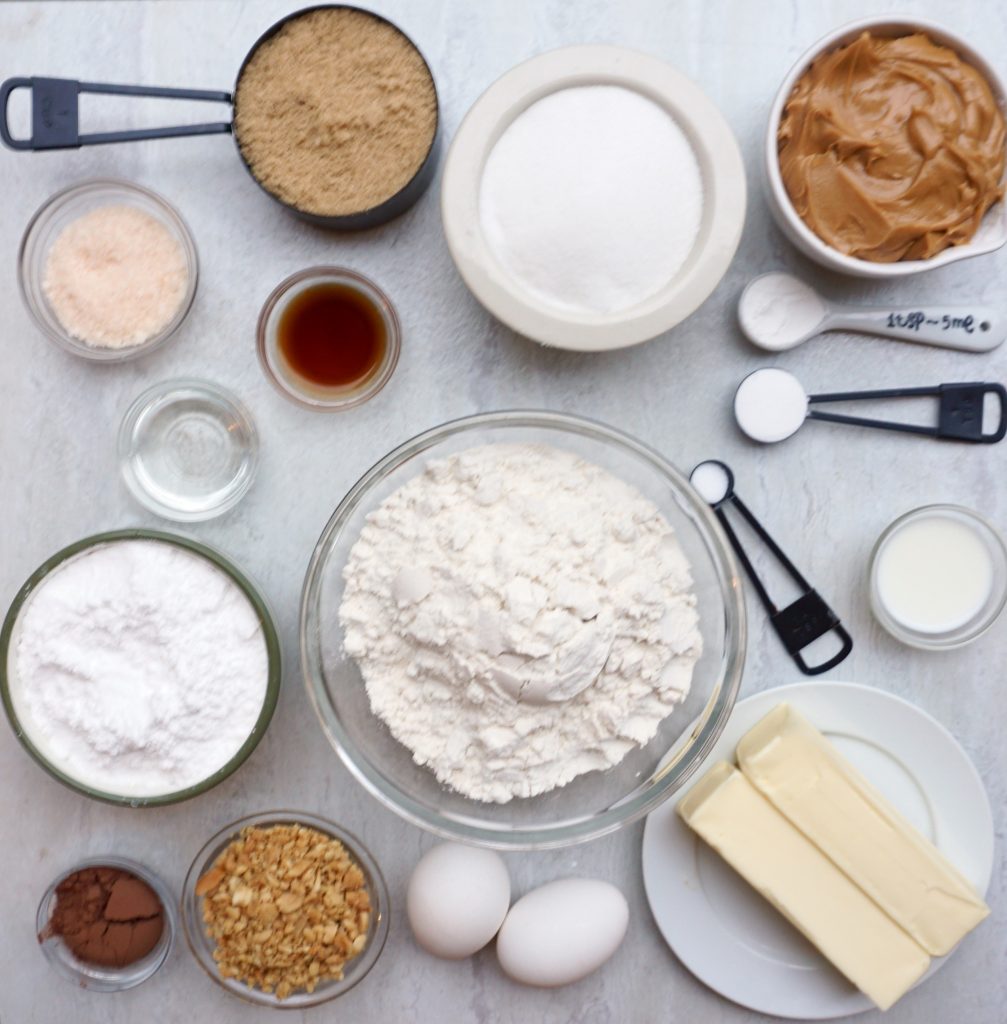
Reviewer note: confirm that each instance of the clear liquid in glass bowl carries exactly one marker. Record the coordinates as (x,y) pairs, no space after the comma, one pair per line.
(187,450)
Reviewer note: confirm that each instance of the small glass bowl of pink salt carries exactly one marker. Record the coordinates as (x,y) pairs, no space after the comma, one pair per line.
(108,269)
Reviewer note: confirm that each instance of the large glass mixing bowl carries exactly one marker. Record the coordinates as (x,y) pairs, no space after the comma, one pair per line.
(593,804)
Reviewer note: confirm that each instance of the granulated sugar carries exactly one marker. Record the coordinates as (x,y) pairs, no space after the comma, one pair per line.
(115,277)
(592,199)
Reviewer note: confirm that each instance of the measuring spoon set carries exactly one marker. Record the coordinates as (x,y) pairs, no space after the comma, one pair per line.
(778,312)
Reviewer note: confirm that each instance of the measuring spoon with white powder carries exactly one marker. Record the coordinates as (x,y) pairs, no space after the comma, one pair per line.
(778,311)
(802,622)
(771,405)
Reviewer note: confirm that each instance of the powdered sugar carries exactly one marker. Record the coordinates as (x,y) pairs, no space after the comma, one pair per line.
(592,198)
(139,668)
(520,616)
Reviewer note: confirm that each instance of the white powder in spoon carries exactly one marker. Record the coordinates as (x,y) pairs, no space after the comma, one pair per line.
(770,405)
(777,310)
(592,198)
(138,668)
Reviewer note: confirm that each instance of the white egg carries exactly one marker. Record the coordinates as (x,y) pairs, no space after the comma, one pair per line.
(457,899)
(562,931)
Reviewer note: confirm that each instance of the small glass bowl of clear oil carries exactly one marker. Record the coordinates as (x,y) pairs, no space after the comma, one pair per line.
(328,338)
(188,450)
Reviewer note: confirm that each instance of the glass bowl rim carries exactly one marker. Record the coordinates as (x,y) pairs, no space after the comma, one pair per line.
(222,563)
(667,778)
(937,641)
(359,282)
(358,851)
(141,404)
(94,353)
(140,871)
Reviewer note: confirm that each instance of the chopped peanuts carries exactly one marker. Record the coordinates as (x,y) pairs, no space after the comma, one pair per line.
(287,908)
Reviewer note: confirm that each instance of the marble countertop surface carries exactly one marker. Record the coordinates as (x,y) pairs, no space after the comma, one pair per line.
(825,494)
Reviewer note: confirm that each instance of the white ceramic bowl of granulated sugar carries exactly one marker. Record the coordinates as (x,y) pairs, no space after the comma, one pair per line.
(593,198)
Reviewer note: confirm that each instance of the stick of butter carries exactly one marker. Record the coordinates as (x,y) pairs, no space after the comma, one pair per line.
(803,775)
(848,927)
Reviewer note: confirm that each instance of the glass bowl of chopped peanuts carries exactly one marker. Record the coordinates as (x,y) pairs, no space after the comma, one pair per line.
(285,909)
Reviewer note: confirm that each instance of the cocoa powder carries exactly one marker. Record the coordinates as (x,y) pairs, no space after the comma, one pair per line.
(106,916)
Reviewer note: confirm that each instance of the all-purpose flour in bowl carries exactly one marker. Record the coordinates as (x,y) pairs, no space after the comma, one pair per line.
(520,616)
(592,199)
(137,668)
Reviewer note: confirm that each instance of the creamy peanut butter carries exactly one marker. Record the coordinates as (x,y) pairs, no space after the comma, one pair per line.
(892,149)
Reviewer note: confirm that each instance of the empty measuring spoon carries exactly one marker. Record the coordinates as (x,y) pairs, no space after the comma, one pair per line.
(778,311)
(771,405)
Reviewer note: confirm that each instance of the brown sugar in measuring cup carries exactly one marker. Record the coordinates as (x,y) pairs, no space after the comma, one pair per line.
(335,112)
(336,116)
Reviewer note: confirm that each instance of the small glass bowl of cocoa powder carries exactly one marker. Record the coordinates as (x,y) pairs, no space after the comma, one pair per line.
(107,925)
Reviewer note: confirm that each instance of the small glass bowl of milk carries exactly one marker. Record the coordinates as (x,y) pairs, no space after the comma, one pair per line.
(938,577)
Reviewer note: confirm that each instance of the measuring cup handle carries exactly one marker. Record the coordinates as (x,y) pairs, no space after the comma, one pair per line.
(5,92)
(964,328)
(55,113)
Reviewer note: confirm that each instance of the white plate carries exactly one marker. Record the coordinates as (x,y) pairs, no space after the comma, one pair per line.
(735,942)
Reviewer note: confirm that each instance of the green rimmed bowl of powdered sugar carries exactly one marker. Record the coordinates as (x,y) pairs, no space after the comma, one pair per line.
(139,667)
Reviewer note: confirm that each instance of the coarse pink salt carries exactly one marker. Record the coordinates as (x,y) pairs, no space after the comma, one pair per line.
(115,277)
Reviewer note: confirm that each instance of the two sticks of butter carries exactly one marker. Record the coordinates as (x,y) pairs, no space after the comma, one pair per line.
(810,834)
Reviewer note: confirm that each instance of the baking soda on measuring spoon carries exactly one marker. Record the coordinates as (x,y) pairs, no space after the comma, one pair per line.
(778,311)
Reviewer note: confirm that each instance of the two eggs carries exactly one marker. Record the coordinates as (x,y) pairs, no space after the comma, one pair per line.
(459,898)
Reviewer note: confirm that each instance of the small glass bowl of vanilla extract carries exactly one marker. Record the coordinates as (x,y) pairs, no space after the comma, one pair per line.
(328,338)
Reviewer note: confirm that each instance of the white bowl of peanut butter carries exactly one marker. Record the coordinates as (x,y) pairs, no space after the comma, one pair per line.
(885,150)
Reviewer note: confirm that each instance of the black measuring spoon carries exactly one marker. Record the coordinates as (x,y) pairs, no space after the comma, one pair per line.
(771,405)
(55,124)
(800,623)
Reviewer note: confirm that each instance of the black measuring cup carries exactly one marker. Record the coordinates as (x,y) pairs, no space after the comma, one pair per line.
(56,125)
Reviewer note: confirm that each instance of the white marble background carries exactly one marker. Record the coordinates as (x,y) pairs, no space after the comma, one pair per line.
(825,494)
